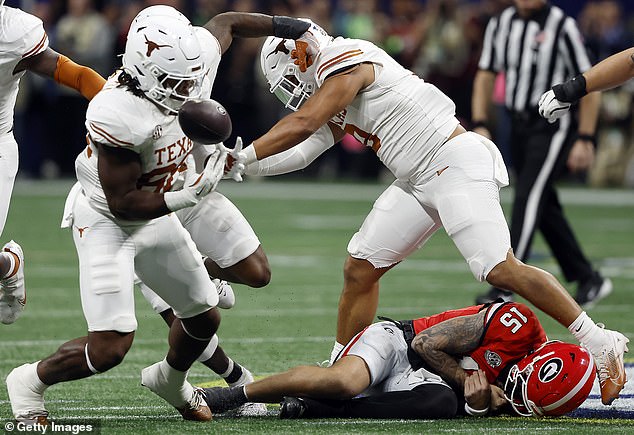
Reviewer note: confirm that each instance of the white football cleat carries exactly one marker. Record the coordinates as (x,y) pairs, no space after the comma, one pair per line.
(189,401)
(226,297)
(13,295)
(27,405)
(249,409)
(609,362)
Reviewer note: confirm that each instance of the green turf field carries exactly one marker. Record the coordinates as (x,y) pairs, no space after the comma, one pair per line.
(304,229)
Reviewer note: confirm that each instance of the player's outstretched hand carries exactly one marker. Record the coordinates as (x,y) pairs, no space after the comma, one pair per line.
(551,108)
(236,158)
(197,186)
(212,173)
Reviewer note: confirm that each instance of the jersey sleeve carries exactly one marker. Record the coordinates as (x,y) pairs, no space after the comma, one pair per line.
(512,331)
(212,54)
(25,35)
(340,54)
(110,121)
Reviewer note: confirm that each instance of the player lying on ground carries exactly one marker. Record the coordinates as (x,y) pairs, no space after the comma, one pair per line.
(24,47)
(434,367)
(446,178)
(607,74)
(123,222)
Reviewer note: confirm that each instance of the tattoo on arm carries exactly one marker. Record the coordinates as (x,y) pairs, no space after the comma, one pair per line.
(441,345)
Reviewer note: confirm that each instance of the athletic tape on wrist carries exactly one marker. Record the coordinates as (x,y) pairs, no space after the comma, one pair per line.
(572,90)
(475,412)
(289,28)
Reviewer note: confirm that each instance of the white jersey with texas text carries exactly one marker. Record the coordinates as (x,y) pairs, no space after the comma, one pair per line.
(117,118)
(400,116)
(21,35)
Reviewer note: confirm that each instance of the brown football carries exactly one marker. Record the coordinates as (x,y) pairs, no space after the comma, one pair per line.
(205,121)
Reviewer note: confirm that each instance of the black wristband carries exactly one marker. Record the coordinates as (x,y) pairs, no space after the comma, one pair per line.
(479,124)
(589,137)
(572,90)
(289,28)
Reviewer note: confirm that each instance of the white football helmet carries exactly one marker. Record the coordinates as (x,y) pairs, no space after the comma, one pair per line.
(286,81)
(165,57)
(156,13)
(288,65)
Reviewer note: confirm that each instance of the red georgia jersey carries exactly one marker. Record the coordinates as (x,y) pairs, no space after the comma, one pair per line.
(511,331)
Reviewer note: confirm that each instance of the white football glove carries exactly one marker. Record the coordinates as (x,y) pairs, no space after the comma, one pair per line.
(551,108)
(197,186)
(236,159)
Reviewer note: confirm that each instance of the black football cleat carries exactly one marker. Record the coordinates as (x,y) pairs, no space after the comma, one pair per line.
(292,408)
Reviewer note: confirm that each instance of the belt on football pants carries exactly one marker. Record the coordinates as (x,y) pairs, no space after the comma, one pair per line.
(407,326)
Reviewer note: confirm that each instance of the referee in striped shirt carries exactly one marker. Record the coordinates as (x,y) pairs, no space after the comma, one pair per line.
(536,45)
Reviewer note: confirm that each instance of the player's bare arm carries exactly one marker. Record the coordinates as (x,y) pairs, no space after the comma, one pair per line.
(441,344)
(119,172)
(51,64)
(228,25)
(332,97)
(611,72)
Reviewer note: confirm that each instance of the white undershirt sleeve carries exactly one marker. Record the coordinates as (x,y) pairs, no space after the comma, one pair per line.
(298,157)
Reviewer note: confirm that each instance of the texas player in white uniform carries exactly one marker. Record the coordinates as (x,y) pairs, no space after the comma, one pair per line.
(221,233)
(24,46)
(123,221)
(446,177)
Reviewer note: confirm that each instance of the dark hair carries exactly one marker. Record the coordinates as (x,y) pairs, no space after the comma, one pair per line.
(129,83)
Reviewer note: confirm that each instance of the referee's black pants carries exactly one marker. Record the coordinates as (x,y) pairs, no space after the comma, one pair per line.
(539,151)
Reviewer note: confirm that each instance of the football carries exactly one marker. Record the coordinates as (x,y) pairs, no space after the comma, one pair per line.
(205,121)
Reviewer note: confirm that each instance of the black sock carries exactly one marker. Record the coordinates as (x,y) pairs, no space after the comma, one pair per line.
(221,400)
(235,374)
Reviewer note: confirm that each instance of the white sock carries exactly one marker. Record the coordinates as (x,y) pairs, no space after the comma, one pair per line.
(176,384)
(336,349)
(12,264)
(209,350)
(33,381)
(587,332)
(230,367)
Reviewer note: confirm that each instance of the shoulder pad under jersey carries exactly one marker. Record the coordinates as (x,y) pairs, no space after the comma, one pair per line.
(22,34)
(340,53)
(116,117)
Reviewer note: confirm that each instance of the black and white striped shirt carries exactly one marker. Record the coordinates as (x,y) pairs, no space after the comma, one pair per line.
(535,53)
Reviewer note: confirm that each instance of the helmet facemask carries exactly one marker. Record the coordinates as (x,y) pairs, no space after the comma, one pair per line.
(290,90)
(554,380)
(172,90)
(516,390)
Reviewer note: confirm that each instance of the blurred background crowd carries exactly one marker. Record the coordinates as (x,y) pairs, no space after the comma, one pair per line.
(439,40)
